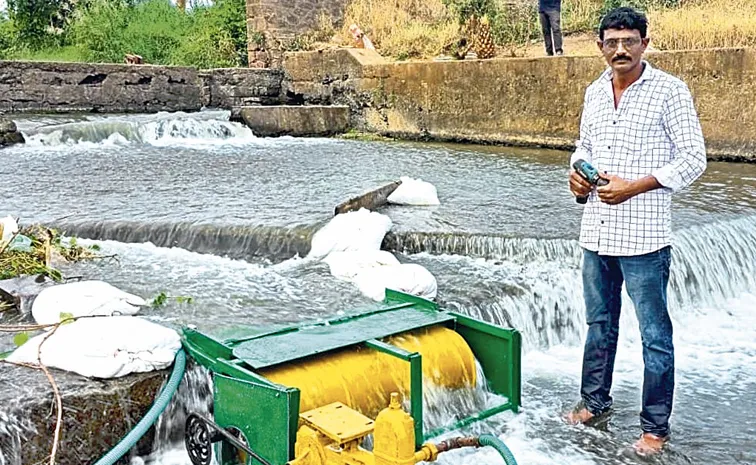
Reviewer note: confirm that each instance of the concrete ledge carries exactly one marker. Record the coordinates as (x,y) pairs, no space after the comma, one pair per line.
(298,121)
(97,414)
(370,200)
(327,66)
(63,87)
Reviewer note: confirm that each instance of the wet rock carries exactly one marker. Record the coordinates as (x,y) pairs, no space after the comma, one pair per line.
(9,133)
(97,414)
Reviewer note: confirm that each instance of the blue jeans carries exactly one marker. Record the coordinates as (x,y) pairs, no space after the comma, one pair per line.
(646,277)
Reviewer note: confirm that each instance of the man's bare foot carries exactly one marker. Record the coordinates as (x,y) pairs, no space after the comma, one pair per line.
(649,444)
(581,415)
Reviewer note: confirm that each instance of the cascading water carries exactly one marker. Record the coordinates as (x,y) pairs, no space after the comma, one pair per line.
(244,242)
(539,289)
(162,130)
(194,395)
(13,431)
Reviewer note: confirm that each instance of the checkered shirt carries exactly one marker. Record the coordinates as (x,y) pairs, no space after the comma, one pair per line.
(654,131)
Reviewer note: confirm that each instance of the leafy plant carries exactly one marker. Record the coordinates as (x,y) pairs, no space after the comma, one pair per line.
(162,298)
(159,300)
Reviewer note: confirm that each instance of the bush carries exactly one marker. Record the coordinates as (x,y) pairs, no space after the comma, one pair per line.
(8,38)
(107,30)
(515,23)
(218,37)
(40,23)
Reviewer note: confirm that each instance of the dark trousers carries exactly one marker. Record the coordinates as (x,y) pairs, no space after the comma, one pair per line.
(646,278)
(551,24)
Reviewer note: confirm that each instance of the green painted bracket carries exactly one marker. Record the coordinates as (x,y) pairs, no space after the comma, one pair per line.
(397,297)
(294,328)
(416,382)
(217,357)
(267,416)
(499,352)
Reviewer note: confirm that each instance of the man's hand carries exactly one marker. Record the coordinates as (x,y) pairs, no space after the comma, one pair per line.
(579,186)
(617,191)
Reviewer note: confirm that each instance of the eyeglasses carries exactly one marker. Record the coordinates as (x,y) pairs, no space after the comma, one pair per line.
(627,42)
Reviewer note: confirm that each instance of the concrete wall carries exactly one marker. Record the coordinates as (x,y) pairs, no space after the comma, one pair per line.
(235,87)
(97,414)
(279,22)
(64,87)
(47,86)
(516,101)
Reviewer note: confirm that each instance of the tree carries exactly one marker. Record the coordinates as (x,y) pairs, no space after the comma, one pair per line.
(40,22)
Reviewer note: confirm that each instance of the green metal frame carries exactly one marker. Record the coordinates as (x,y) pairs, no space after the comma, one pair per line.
(499,352)
(247,401)
(416,382)
(250,402)
(261,429)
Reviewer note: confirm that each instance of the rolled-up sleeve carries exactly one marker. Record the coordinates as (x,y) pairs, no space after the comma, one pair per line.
(583,146)
(684,129)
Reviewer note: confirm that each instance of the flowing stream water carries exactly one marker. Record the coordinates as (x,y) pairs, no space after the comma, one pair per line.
(193,204)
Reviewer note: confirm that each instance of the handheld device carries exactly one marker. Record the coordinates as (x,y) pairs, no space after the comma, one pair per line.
(590,174)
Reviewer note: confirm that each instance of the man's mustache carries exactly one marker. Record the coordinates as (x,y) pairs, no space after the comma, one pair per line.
(621,58)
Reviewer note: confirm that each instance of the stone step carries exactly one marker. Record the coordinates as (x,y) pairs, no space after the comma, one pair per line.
(293,120)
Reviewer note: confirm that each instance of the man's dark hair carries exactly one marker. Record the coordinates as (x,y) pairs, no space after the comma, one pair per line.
(624,18)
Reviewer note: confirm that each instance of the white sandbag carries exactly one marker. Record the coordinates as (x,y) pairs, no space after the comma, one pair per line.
(347,265)
(360,230)
(83,298)
(407,277)
(414,192)
(8,227)
(104,347)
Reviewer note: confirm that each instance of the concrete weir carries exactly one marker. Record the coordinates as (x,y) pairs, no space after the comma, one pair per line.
(298,121)
(96,414)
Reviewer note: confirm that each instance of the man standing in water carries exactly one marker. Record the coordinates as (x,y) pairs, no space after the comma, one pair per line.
(639,128)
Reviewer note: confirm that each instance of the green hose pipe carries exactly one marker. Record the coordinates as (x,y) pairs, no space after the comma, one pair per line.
(496,443)
(162,401)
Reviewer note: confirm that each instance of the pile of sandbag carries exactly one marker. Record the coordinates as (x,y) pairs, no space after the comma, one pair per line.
(350,245)
(108,341)
(104,347)
(414,192)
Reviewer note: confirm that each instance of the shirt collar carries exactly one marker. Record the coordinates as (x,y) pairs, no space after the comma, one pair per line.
(648,73)
(606,78)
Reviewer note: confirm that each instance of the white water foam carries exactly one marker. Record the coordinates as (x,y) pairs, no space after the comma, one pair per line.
(163,129)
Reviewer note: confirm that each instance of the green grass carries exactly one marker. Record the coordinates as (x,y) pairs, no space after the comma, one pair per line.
(104,31)
(69,53)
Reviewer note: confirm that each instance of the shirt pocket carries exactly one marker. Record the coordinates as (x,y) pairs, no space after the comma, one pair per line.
(642,124)
(643,137)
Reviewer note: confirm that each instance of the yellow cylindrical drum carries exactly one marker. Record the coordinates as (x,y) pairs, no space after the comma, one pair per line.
(363,378)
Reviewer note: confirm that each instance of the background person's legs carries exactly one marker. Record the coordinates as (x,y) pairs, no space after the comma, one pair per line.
(546,30)
(555,22)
